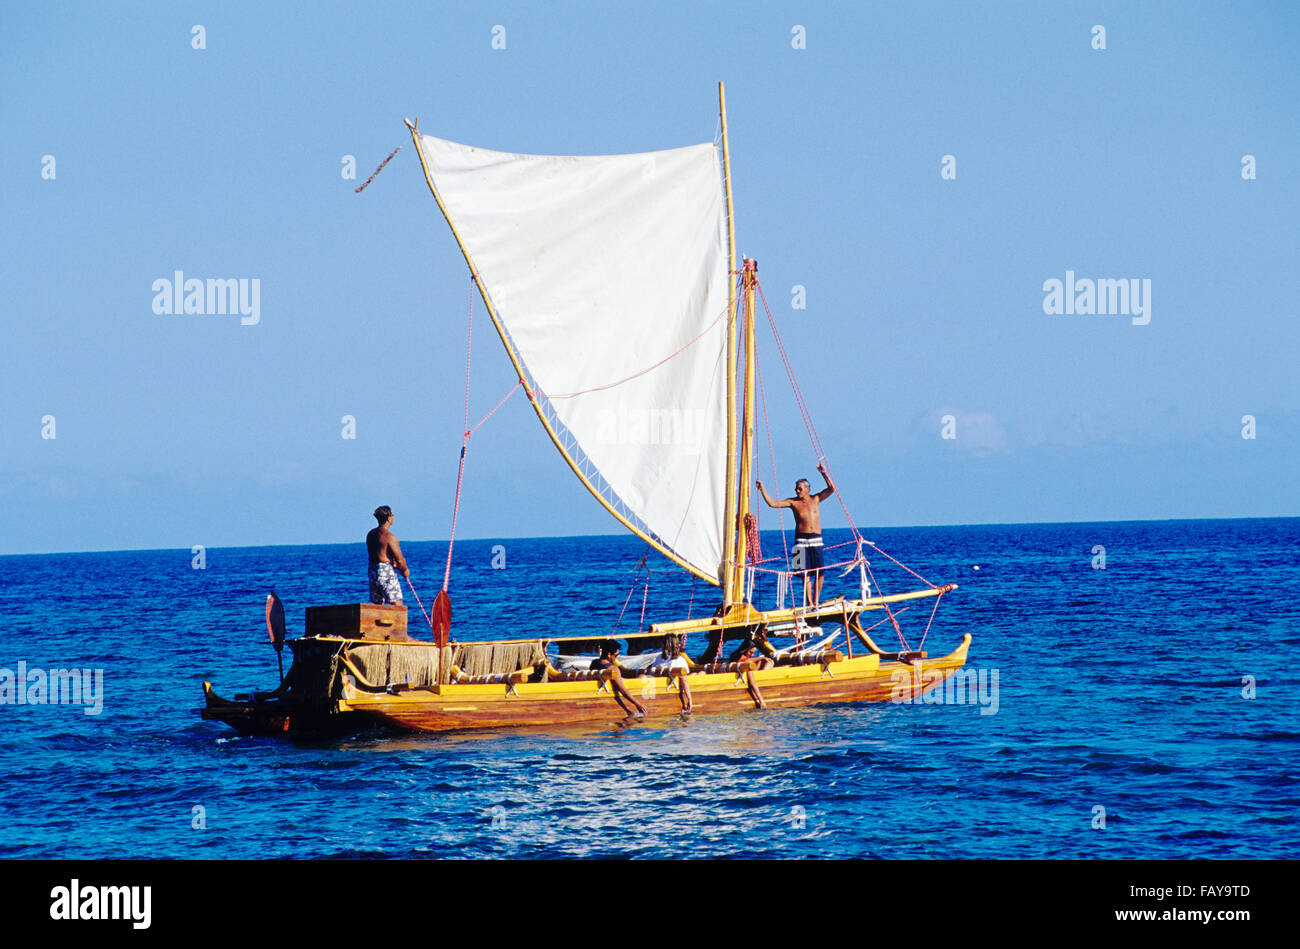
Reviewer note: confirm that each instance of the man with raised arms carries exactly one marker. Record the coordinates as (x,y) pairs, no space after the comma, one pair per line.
(386,560)
(807,531)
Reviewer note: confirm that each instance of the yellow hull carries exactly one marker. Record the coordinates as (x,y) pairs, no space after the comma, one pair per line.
(449,707)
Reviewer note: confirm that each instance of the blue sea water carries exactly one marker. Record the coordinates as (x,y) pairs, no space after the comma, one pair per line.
(1126,689)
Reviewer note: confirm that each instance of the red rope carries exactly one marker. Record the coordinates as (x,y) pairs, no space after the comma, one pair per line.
(901,564)
(494,408)
(423,611)
(921,644)
(771,453)
(752,543)
(886,619)
(819,450)
(469,342)
(464,442)
(802,403)
(631,590)
(619,382)
(888,612)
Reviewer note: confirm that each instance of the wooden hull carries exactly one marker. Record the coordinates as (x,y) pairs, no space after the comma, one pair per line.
(276,717)
(452,707)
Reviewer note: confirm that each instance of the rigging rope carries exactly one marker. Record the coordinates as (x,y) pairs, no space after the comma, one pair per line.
(753,542)
(889,614)
(820,451)
(630,591)
(376,172)
(921,644)
(753,545)
(423,611)
(464,442)
(513,388)
(802,404)
(771,452)
(618,382)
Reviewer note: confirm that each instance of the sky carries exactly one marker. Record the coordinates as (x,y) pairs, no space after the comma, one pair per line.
(129,154)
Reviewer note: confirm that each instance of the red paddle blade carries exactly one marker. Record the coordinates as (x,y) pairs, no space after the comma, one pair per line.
(275,619)
(441,618)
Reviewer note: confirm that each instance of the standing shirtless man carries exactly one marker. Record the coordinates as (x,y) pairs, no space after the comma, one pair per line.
(386,560)
(807,531)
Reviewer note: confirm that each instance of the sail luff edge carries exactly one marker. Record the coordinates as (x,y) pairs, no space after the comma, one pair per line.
(729,526)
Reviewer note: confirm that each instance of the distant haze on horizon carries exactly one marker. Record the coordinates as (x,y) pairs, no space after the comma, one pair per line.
(915,177)
(359,542)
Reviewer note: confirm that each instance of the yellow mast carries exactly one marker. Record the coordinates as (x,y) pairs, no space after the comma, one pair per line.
(729,503)
(749,277)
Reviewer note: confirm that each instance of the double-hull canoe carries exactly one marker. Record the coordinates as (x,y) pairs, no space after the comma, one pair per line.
(339,684)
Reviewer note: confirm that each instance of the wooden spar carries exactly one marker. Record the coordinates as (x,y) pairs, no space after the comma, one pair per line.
(826,609)
(699,624)
(729,504)
(848,634)
(528,389)
(748,277)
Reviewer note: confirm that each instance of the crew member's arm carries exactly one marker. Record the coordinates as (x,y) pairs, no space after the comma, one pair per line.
(827,491)
(620,690)
(395,552)
(770,503)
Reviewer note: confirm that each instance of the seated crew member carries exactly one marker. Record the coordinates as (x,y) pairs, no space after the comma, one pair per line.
(674,657)
(609,660)
(746,651)
(808,531)
(386,560)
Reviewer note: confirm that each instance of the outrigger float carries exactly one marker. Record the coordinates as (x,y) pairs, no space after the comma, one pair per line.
(612,283)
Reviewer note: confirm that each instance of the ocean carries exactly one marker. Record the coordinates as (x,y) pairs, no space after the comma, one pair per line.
(1146,707)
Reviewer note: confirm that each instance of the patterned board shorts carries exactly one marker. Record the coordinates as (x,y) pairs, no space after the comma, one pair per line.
(807,554)
(384,585)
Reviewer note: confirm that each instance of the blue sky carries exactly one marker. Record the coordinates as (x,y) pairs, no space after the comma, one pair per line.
(924,295)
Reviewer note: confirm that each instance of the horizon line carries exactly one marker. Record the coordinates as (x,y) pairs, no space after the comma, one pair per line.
(617,533)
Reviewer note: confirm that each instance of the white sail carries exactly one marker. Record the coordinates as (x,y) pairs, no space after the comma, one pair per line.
(609,274)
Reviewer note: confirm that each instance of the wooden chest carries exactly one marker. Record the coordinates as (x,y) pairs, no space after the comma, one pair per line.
(358,621)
